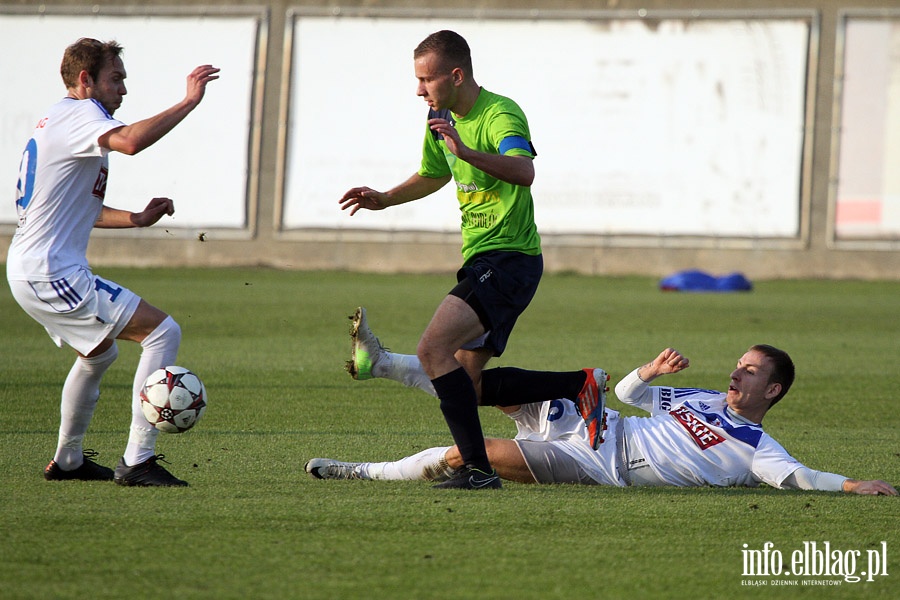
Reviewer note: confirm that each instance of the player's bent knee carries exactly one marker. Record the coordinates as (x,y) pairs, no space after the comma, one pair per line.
(454,458)
(167,333)
(173,331)
(434,360)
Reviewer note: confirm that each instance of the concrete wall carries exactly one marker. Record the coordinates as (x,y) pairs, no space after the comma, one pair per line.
(814,254)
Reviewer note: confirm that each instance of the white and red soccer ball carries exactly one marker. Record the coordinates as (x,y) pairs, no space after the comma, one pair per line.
(173,399)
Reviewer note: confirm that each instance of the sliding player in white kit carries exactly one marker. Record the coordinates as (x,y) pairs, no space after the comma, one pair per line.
(60,199)
(692,437)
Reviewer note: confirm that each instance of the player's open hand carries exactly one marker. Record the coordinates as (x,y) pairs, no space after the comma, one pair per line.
(363,197)
(155,210)
(197,80)
(874,487)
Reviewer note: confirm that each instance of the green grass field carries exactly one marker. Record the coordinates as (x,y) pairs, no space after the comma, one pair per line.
(271,347)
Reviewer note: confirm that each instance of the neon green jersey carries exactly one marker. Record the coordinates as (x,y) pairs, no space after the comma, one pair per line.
(496,215)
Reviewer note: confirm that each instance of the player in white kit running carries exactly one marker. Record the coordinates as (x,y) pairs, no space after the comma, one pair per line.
(60,199)
(692,437)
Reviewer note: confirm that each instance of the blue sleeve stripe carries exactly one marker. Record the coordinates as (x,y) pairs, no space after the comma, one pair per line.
(517,142)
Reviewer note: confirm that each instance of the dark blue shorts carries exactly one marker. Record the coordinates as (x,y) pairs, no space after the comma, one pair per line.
(498,286)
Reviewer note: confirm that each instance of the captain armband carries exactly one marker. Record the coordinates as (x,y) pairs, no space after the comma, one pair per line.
(516,142)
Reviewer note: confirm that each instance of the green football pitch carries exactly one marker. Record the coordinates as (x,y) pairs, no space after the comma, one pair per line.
(271,347)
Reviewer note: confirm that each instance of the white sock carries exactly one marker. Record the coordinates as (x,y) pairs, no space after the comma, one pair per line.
(159,349)
(429,465)
(404,368)
(79,399)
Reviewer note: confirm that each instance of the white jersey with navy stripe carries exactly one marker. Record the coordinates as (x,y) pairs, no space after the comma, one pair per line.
(693,438)
(62,184)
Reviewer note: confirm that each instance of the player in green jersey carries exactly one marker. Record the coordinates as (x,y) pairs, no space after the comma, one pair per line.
(481,141)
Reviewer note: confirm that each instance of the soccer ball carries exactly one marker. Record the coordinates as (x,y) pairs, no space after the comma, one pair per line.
(173,399)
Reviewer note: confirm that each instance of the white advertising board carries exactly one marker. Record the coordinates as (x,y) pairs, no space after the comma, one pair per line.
(868,183)
(202,164)
(670,127)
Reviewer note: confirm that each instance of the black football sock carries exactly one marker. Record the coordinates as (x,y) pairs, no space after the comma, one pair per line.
(509,386)
(459,403)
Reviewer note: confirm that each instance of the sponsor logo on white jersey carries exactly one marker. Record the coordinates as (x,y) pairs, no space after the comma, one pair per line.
(699,431)
(665,399)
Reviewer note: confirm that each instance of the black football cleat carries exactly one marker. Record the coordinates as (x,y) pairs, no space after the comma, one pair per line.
(471,478)
(147,474)
(88,471)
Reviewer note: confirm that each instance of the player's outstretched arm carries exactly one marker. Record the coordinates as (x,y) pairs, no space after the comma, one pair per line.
(874,487)
(412,189)
(133,138)
(114,218)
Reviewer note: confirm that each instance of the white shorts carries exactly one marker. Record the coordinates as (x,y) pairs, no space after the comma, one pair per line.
(554,443)
(549,463)
(80,309)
